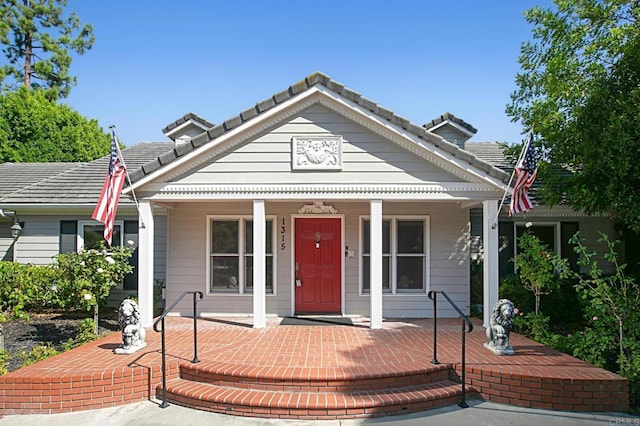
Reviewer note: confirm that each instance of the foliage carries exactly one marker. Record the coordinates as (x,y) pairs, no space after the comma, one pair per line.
(612,300)
(15,291)
(4,362)
(37,37)
(37,353)
(86,278)
(34,129)
(539,268)
(578,89)
(511,288)
(86,333)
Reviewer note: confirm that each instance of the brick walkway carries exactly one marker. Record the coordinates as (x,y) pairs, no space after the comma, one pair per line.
(292,360)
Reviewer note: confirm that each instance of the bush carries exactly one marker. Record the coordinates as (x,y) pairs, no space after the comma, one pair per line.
(4,362)
(37,353)
(512,289)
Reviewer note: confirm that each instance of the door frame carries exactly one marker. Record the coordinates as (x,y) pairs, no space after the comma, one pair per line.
(293,256)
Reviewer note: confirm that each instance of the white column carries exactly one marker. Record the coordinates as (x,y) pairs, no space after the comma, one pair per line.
(259,262)
(145,262)
(375,253)
(490,259)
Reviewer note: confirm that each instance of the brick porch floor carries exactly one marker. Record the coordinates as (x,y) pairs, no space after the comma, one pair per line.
(325,371)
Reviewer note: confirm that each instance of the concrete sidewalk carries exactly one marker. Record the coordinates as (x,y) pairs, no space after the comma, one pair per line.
(479,413)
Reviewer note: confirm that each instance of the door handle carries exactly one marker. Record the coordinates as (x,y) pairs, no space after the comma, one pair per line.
(298,282)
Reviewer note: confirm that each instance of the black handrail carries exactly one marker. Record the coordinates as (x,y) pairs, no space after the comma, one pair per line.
(465,322)
(160,320)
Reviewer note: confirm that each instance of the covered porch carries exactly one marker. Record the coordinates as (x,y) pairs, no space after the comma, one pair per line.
(361,242)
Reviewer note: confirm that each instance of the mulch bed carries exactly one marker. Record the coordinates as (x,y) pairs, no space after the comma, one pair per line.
(50,328)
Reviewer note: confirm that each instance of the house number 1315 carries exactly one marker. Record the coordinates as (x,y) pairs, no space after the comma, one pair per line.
(283,230)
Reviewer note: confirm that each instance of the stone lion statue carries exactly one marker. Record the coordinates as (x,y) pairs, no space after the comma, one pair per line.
(133,334)
(499,328)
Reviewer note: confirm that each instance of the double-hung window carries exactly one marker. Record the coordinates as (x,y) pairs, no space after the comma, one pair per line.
(404,255)
(91,234)
(231,255)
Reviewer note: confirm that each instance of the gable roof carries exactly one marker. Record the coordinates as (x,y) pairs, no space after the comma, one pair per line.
(70,183)
(188,120)
(448,117)
(296,89)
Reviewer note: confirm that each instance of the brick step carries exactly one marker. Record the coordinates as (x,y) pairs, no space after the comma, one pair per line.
(311,405)
(313,379)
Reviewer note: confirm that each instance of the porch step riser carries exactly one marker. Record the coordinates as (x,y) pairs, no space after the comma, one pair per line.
(311,405)
(294,384)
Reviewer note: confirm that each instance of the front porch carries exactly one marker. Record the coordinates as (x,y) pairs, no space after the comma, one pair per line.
(311,372)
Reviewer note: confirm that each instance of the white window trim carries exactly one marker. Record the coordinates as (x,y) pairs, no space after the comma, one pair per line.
(393,238)
(242,255)
(83,223)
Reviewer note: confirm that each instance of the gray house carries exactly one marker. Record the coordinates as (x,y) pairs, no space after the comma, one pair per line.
(314,200)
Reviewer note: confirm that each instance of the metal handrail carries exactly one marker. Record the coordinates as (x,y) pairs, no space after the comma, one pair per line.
(160,320)
(466,322)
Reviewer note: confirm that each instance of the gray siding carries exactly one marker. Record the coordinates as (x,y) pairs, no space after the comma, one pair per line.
(366,157)
(6,241)
(38,243)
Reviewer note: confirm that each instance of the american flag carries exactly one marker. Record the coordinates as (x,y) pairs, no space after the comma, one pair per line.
(105,211)
(525,173)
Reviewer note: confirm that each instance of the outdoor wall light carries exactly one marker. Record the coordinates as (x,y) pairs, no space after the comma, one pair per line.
(16,229)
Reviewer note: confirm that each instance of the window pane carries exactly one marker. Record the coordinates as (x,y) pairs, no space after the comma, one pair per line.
(410,236)
(94,234)
(224,273)
(224,236)
(249,236)
(366,274)
(545,233)
(248,274)
(410,273)
(386,236)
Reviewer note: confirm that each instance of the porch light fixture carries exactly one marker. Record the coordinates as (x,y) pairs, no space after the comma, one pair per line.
(16,229)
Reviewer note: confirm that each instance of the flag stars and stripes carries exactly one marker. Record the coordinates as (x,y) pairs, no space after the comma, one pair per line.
(105,210)
(525,173)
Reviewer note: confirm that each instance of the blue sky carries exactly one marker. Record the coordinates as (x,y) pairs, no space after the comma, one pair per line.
(154,61)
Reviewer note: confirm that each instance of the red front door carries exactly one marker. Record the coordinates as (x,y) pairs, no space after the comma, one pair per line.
(318,265)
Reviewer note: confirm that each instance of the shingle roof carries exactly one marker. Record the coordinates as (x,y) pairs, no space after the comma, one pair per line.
(296,89)
(80,184)
(448,116)
(184,119)
(15,176)
(490,152)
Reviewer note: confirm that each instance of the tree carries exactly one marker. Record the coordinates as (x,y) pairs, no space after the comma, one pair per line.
(35,129)
(578,91)
(539,269)
(37,37)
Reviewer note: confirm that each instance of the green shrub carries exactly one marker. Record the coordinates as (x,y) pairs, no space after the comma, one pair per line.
(14,291)
(4,362)
(512,289)
(37,353)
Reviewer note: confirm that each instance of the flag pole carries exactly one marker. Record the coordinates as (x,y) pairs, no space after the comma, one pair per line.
(126,170)
(494,223)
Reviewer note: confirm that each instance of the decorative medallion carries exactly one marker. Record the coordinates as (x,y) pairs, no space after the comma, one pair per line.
(316,153)
(317,207)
